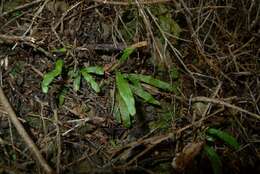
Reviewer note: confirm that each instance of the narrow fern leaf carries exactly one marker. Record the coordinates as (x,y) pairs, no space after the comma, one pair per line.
(95,70)
(91,81)
(125,115)
(152,81)
(224,136)
(127,52)
(147,97)
(126,93)
(49,77)
(214,159)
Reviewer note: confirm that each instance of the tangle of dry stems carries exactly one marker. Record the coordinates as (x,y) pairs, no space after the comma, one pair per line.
(127,2)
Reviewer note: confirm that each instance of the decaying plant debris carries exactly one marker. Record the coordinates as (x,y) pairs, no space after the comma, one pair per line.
(207,121)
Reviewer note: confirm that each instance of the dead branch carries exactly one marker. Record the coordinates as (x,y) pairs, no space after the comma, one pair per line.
(12,39)
(20,129)
(216,101)
(126,2)
(27,5)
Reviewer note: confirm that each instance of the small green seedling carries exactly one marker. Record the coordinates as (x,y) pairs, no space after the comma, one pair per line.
(212,154)
(225,137)
(214,159)
(146,96)
(127,52)
(130,85)
(151,81)
(75,75)
(94,70)
(50,76)
(174,73)
(123,113)
(86,73)
(126,93)
(61,96)
(60,50)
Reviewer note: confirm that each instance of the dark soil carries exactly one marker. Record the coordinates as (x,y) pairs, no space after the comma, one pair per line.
(208,50)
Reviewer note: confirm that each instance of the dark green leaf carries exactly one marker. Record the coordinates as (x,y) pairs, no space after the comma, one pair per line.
(127,52)
(62,96)
(152,81)
(76,83)
(91,80)
(174,73)
(132,79)
(116,112)
(18,13)
(147,97)
(94,69)
(49,77)
(165,19)
(60,50)
(76,77)
(169,25)
(72,74)
(14,157)
(126,93)
(210,138)
(214,159)
(226,137)
(125,115)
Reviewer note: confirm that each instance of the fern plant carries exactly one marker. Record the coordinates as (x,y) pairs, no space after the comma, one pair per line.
(130,86)
(86,72)
(215,160)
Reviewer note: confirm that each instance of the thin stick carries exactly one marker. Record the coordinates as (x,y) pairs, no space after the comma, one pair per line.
(9,39)
(176,52)
(13,38)
(209,104)
(216,101)
(58,140)
(195,37)
(126,2)
(36,15)
(66,12)
(21,7)
(20,129)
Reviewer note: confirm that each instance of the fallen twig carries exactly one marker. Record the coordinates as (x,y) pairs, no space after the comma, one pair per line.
(215,93)
(36,15)
(216,101)
(126,2)
(58,140)
(195,38)
(20,129)
(149,143)
(12,39)
(27,5)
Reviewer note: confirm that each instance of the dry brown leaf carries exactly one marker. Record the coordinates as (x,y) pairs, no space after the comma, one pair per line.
(199,108)
(189,152)
(55,6)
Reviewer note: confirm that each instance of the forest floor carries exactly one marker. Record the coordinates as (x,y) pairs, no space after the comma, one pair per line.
(145,86)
